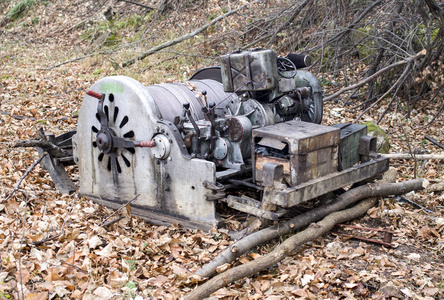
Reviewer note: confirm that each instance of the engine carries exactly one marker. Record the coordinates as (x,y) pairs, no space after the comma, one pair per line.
(170,148)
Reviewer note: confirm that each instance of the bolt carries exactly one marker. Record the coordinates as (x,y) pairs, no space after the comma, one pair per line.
(171,141)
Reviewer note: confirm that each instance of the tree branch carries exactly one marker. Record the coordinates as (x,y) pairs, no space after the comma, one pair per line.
(185,37)
(50,148)
(26,174)
(380,72)
(135,3)
(414,156)
(314,231)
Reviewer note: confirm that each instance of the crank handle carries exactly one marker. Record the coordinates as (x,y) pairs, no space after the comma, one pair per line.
(119,142)
(94,94)
(145,144)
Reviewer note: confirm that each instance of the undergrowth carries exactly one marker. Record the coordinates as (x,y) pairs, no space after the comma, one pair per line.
(18,10)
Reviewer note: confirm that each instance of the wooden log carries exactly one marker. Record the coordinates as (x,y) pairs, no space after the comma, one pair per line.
(260,237)
(314,231)
(439,156)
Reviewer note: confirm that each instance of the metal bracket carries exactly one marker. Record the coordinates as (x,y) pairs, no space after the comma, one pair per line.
(367,146)
(271,173)
(387,237)
(252,206)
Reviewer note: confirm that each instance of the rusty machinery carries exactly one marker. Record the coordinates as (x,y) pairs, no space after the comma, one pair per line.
(180,148)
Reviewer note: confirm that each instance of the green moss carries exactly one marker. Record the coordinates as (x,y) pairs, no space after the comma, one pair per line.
(20,9)
(97,71)
(383,144)
(5,77)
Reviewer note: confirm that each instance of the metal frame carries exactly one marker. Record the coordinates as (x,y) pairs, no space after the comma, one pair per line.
(320,186)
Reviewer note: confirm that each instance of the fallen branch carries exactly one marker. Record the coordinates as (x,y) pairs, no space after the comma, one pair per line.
(185,37)
(434,141)
(267,234)
(24,175)
(380,72)
(414,156)
(314,231)
(113,221)
(50,148)
(117,210)
(135,3)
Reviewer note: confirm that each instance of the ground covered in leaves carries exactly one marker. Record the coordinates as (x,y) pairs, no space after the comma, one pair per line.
(56,246)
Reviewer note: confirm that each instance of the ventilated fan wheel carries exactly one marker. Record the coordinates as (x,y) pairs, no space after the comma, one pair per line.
(120,156)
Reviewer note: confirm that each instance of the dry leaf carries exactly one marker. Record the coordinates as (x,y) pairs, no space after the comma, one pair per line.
(103,293)
(223,268)
(37,296)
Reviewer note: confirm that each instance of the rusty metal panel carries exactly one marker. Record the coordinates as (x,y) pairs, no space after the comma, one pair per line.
(249,71)
(320,186)
(313,164)
(272,142)
(306,150)
(348,146)
(303,137)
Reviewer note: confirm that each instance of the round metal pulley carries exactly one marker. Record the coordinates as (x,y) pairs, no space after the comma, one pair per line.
(162,148)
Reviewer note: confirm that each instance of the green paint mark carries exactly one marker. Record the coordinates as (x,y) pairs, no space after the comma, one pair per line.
(111,87)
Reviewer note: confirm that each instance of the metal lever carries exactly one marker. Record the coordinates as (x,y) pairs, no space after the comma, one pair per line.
(187,111)
(94,94)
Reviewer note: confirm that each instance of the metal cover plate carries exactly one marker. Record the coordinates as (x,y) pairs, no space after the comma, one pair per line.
(302,137)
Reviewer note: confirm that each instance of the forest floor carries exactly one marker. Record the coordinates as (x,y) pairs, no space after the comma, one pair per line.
(83,260)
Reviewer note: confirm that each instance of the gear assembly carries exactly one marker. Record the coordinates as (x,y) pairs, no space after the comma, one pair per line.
(252,123)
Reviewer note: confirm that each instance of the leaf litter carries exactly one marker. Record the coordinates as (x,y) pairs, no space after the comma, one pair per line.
(132,259)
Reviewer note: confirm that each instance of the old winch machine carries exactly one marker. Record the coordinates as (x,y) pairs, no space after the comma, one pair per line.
(251,123)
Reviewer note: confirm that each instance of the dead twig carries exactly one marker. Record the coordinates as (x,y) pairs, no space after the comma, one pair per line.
(135,3)
(119,209)
(414,156)
(396,85)
(26,174)
(435,117)
(109,223)
(434,142)
(380,72)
